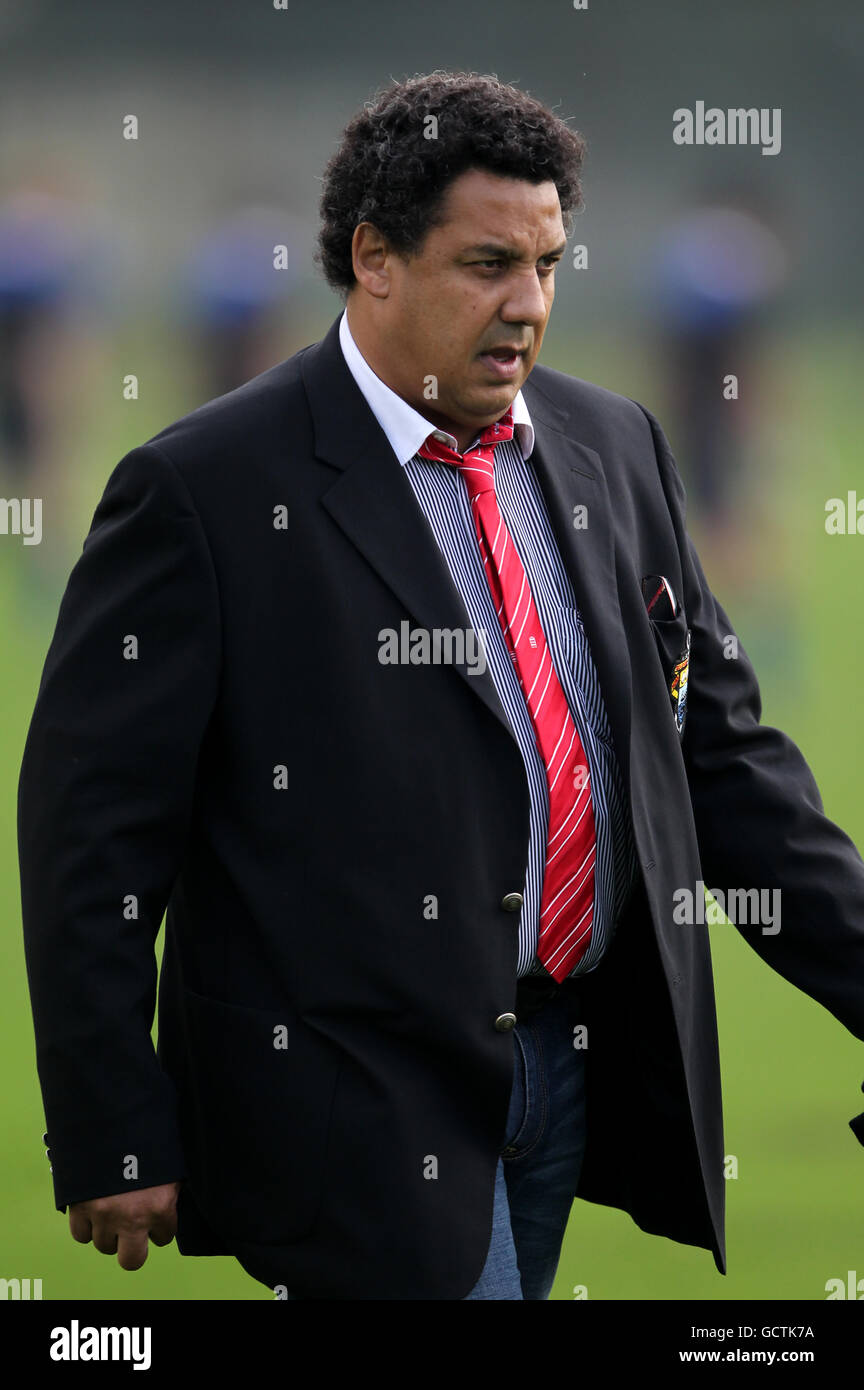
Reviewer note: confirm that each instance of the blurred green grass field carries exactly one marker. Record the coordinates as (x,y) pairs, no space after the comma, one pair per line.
(791,1073)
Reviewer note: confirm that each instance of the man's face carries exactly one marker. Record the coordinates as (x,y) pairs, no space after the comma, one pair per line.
(471,308)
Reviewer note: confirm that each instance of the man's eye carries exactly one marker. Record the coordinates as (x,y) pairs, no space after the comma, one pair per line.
(545,267)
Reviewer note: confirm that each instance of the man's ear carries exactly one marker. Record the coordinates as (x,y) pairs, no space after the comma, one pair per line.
(371,257)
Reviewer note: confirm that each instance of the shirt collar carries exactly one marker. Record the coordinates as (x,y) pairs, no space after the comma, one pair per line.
(404,426)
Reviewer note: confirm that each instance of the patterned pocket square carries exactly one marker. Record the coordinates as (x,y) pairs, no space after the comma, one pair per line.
(672,635)
(659,598)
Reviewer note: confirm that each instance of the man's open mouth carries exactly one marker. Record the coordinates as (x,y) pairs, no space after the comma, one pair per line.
(503,361)
(504,354)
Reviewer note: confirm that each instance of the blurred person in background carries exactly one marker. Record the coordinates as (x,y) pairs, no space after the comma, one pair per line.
(55,278)
(717,292)
(720,270)
(237,293)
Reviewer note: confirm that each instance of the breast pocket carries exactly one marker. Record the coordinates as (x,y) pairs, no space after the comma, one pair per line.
(263,1084)
(672,636)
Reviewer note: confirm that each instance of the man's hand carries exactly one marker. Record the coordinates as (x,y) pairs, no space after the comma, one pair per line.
(122,1223)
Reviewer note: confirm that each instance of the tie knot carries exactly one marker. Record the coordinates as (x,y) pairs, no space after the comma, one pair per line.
(477,463)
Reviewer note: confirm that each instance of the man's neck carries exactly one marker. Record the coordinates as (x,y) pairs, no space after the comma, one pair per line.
(464,435)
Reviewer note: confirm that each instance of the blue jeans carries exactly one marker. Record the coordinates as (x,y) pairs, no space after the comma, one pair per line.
(541,1153)
(541,1156)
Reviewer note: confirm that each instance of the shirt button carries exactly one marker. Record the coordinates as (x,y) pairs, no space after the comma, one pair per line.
(511,902)
(504,1023)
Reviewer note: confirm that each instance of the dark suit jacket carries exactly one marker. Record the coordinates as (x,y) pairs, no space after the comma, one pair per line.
(294,802)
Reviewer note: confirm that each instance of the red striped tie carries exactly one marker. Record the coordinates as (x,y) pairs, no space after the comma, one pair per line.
(567,903)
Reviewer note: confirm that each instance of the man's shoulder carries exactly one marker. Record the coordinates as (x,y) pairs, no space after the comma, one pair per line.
(266,408)
(573,398)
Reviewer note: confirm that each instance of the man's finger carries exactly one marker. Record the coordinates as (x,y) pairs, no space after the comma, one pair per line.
(79,1225)
(163,1228)
(105,1237)
(132,1249)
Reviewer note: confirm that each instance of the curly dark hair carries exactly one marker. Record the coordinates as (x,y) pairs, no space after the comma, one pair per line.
(387,172)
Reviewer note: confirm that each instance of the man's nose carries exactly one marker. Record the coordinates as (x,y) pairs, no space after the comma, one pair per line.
(525,301)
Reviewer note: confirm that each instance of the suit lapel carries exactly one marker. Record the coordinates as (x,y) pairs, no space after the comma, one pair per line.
(374,504)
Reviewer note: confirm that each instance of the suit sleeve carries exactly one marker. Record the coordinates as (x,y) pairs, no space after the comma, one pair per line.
(105,795)
(759,816)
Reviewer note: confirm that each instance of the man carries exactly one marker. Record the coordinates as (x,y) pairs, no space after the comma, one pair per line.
(421,893)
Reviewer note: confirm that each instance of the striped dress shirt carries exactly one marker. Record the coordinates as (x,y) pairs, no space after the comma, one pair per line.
(443,498)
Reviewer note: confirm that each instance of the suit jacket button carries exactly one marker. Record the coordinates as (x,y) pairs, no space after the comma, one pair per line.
(511,902)
(504,1022)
